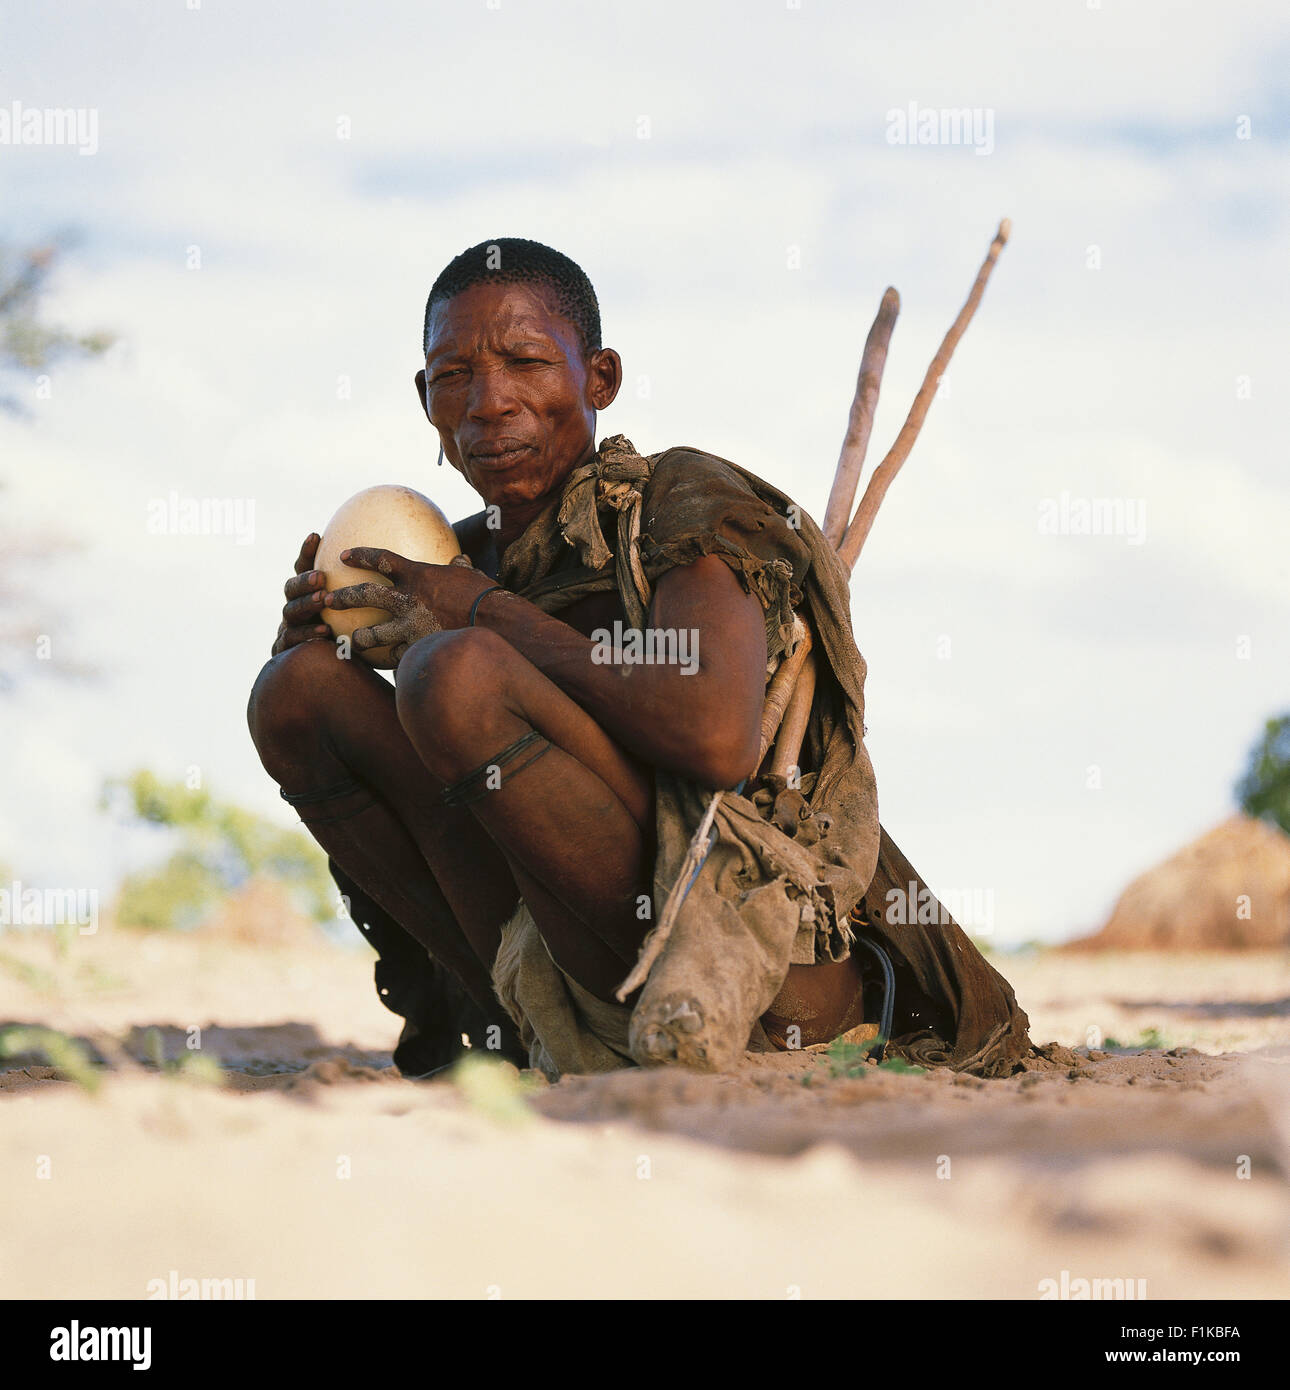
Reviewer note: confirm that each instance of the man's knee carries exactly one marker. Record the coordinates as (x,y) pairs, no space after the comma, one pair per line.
(290,694)
(447,686)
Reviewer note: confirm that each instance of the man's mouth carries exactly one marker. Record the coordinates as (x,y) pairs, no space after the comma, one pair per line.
(499,453)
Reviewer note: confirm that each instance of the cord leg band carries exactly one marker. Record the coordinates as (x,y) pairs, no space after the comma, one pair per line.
(304,802)
(476,784)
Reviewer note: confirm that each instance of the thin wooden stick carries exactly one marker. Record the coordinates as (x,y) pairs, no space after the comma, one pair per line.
(780,691)
(653,945)
(846,477)
(789,743)
(884,474)
(779,695)
(793,685)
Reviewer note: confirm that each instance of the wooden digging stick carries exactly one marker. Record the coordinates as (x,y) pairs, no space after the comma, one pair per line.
(789,746)
(780,690)
(652,947)
(858,531)
(846,477)
(796,717)
(794,683)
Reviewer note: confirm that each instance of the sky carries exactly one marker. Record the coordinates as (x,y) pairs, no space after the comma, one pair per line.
(262,195)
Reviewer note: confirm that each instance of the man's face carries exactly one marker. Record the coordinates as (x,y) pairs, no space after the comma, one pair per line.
(508,389)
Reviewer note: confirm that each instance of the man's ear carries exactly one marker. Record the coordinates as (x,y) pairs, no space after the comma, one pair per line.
(604,378)
(421,392)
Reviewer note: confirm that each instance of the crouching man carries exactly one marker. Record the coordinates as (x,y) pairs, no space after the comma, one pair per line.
(509,816)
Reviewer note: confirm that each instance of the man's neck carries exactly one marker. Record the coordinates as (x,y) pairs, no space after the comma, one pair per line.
(516,517)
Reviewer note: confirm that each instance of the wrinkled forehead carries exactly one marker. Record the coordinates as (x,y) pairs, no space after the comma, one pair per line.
(487,317)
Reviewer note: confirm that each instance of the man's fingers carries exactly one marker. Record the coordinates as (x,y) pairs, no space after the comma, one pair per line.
(300,584)
(303,592)
(382,635)
(367,557)
(371,595)
(308,550)
(307,609)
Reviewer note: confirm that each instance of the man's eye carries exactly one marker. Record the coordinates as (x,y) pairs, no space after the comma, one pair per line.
(444,375)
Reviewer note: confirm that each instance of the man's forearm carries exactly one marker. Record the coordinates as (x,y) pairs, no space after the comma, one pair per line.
(658,712)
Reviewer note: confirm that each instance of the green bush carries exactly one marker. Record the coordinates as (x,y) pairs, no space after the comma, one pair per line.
(1264,790)
(220,847)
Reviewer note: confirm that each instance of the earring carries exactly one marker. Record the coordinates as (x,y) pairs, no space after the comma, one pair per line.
(440,455)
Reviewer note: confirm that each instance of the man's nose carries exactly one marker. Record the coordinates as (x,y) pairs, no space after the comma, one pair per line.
(491,396)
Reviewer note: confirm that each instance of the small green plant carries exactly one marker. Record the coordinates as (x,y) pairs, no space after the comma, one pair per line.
(1151,1039)
(900,1066)
(65,1054)
(201,1068)
(493,1088)
(847,1061)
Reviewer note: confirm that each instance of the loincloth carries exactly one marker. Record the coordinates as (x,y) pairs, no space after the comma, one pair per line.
(564,1027)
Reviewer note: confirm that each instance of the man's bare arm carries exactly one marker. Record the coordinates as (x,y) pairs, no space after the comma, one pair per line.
(701,718)
(706,724)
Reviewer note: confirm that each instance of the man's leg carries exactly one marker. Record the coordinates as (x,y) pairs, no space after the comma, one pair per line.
(327,731)
(570,811)
(571,832)
(821,1001)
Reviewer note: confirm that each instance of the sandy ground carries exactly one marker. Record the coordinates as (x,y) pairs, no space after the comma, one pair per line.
(309,1167)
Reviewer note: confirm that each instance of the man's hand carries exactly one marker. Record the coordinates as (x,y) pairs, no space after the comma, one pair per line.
(301,621)
(424,599)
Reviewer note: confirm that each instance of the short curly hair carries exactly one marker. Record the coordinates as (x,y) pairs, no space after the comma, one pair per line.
(513,260)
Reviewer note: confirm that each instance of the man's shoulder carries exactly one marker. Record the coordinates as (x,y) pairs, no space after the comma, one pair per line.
(682,475)
(692,492)
(684,465)
(691,482)
(681,461)
(685,469)
(681,455)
